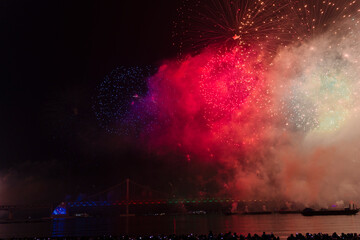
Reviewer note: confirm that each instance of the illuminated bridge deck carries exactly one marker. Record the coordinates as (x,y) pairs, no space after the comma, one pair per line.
(157,202)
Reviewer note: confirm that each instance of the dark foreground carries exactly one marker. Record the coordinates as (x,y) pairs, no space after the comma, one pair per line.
(281,225)
(210,236)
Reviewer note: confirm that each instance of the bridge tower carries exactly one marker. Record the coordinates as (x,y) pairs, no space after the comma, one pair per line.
(127,196)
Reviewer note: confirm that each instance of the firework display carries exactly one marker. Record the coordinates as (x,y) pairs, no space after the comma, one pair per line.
(269,88)
(118,95)
(261,24)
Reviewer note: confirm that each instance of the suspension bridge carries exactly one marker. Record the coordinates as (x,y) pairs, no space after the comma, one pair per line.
(129,197)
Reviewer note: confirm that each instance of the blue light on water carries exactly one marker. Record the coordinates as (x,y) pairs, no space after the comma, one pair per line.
(59,211)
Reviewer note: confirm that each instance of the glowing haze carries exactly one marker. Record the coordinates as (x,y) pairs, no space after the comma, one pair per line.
(270,93)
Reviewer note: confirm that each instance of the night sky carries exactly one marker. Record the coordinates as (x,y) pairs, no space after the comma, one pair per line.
(233,108)
(54,54)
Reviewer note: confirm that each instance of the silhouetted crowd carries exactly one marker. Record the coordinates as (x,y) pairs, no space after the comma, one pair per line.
(211,236)
(324,236)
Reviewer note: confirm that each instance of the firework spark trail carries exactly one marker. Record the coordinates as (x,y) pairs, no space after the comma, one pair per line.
(252,24)
(273,106)
(314,17)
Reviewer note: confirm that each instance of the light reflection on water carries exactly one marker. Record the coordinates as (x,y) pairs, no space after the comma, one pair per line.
(280,224)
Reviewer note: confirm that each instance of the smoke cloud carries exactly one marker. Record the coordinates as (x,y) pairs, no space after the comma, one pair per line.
(287,132)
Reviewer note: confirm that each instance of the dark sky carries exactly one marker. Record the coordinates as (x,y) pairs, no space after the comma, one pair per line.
(54,54)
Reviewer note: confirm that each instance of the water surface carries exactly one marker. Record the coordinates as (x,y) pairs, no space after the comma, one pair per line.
(280,224)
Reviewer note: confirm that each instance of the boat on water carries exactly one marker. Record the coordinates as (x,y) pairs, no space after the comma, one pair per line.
(326,212)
